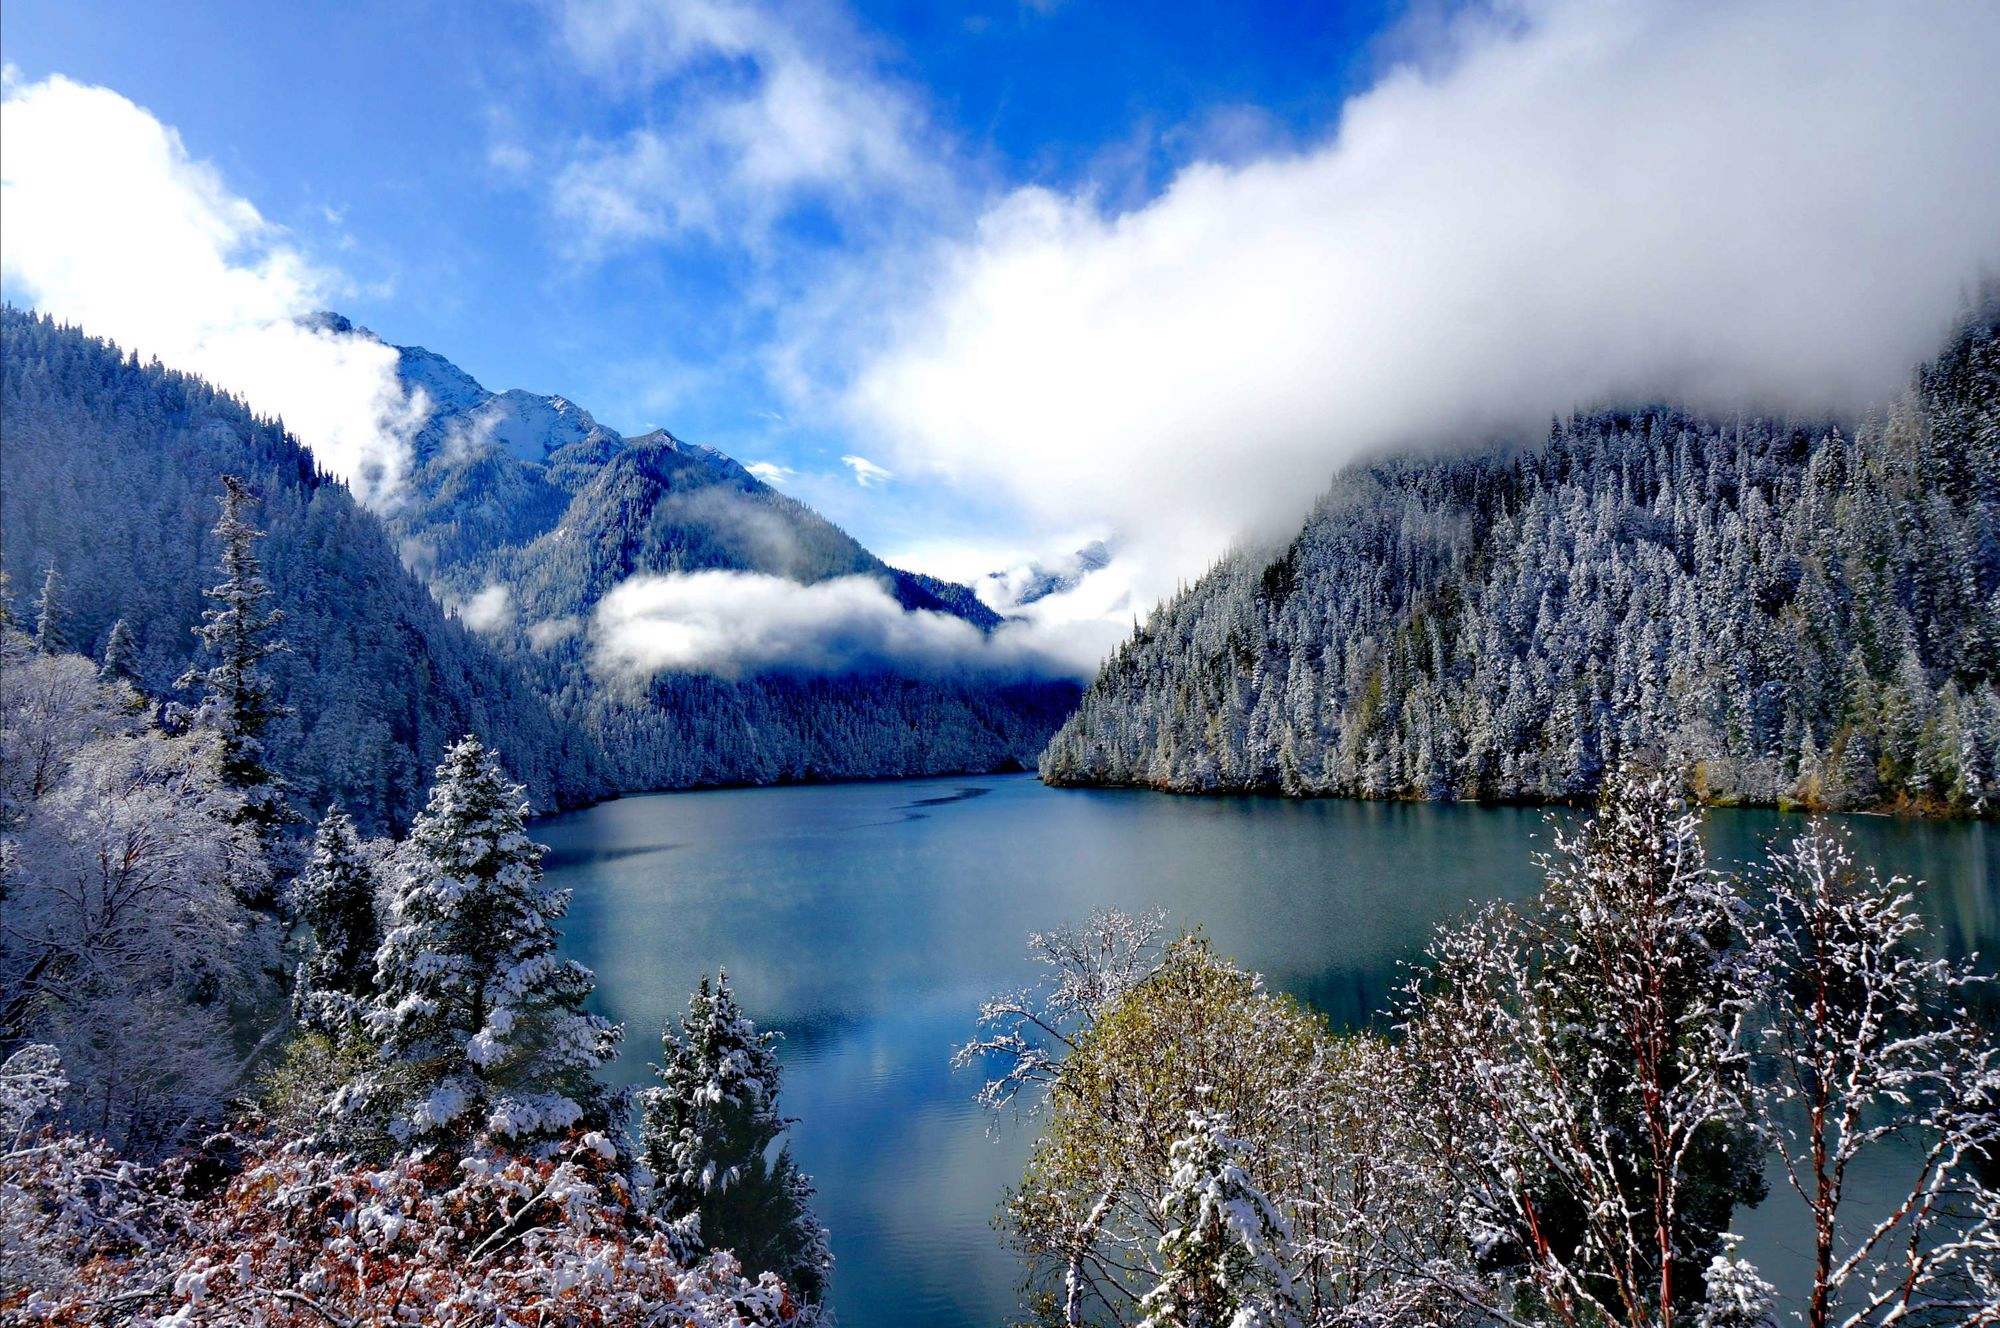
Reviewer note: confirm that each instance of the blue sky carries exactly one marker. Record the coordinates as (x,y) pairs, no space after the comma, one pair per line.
(369,131)
(984,282)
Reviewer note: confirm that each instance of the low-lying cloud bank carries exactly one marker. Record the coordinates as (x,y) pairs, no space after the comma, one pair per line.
(111,225)
(740,624)
(1553,204)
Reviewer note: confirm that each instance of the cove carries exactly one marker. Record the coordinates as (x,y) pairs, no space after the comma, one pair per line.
(867,921)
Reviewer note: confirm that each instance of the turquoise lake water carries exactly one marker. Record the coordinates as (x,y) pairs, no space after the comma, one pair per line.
(866,922)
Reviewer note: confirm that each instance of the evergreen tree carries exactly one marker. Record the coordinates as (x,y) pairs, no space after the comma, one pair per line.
(1736,1297)
(49,636)
(238,701)
(335,900)
(481,1024)
(706,1134)
(116,665)
(1221,1256)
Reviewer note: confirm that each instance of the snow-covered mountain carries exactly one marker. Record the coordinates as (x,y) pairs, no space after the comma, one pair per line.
(496,475)
(109,475)
(1790,614)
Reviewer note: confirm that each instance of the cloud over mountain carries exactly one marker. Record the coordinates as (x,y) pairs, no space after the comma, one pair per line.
(111,224)
(739,624)
(1548,205)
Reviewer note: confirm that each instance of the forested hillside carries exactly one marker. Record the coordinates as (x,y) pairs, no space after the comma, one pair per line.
(109,475)
(1788,612)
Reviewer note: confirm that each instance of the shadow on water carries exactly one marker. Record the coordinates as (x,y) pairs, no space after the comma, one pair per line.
(956,795)
(597,857)
(867,922)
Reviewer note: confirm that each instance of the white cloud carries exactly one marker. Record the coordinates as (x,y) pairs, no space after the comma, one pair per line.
(509,160)
(491,610)
(1078,625)
(738,624)
(762,110)
(549,631)
(1774,203)
(1013,587)
(112,225)
(954,559)
(770,471)
(866,473)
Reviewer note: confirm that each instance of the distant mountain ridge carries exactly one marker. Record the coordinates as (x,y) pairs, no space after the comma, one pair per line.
(529,498)
(494,477)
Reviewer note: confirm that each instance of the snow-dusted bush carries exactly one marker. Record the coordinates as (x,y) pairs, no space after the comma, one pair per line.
(1578,1095)
(1586,1062)
(1223,1254)
(277,1236)
(1870,1061)
(1119,1050)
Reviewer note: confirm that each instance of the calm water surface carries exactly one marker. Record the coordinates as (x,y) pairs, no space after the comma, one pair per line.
(867,921)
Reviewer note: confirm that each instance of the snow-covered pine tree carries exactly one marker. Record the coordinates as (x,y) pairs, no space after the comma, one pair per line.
(237,697)
(1736,1297)
(116,664)
(335,902)
(49,636)
(481,1023)
(706,1133)
(1221,1257)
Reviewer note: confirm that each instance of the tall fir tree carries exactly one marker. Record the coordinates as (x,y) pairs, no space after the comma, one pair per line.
(481,1024)
(116,664)
(335,902)
(706,1133)
(237,697)
(50,638)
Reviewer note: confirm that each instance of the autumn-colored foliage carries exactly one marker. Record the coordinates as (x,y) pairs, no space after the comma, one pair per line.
(277,1236)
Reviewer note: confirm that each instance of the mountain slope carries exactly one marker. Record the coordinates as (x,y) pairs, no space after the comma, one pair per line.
(110,474)
(1788,613)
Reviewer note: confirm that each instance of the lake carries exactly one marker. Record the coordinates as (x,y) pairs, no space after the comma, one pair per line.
(866,922)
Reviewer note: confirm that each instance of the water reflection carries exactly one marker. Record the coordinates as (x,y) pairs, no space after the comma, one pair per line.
(866,921)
